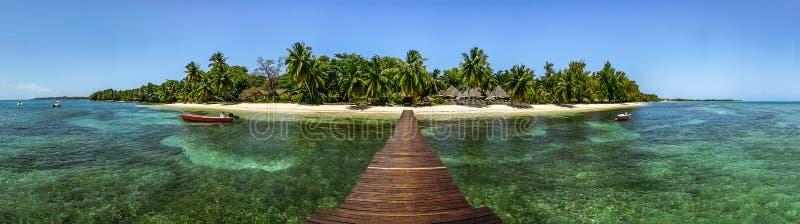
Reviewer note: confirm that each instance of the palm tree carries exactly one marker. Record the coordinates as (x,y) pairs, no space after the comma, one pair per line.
(610,82)
(194,78)
(521,83)
(432,83)
(193,72)
(415,59)
(569,82)
(377,79)
(432,86)
(452,77)
(617,88)
(220,80)
(489,83)
(352,85)
(548,83)
(350,81)
(218,61)
(563,87)
(302,67)
(578,77)
(591,88)
(202,91)
(315,80)
(629,90)
(298,63)
(169,90)
(475,68)
(411,80)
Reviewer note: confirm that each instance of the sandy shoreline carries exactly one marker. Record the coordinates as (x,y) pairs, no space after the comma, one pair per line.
(490,110)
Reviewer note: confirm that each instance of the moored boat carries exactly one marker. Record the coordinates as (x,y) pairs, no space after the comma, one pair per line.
(198,118)
(623,117)
(57,104)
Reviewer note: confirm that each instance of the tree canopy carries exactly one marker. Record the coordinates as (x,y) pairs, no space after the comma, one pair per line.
(349,77)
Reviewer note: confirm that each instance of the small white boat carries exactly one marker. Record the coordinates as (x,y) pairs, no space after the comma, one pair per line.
(57,104)
(19,104)
(623,117)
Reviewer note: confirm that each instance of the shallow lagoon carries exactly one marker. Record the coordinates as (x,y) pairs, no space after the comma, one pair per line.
(675,162)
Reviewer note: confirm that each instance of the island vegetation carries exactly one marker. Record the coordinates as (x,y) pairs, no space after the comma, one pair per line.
(380,80)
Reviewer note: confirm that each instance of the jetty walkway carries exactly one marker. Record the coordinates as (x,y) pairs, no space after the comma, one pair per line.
(406,182)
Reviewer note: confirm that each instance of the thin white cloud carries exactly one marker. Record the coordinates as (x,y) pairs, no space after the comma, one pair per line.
(33,87)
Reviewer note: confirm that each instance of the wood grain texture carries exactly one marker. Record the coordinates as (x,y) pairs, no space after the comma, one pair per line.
(406,182)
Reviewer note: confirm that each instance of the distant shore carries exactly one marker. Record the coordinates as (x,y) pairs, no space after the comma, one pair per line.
(489,110)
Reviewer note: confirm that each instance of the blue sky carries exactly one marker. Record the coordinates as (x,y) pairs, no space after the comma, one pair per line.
(728,49)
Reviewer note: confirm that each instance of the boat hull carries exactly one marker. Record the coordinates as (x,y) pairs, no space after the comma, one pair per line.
(623,118)
(198,118)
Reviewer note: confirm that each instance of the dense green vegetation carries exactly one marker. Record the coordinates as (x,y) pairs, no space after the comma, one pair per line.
(352,78)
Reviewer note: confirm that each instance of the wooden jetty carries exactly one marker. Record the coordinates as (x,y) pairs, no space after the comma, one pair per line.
(406,182)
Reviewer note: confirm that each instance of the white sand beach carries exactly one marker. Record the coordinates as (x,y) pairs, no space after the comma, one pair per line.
(489,110)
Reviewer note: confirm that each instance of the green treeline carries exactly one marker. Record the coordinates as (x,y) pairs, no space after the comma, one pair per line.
(377,80)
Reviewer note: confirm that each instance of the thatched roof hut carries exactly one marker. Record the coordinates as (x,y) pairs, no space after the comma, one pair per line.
(472,93)
(451,92)
(499,92)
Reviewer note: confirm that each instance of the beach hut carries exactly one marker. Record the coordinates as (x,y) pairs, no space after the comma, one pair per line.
(473,93)
(451,92)
(499,93)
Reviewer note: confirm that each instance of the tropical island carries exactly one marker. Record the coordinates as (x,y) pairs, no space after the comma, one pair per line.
(352,79)
(394,117)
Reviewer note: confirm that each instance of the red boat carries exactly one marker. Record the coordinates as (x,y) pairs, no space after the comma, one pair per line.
(192,117)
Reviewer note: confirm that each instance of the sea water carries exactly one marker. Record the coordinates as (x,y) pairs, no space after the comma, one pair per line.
(101,162)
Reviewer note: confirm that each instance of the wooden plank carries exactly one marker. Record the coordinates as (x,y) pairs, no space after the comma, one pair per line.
(405,182)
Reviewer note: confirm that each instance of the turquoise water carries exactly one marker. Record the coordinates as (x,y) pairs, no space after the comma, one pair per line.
(95,162)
